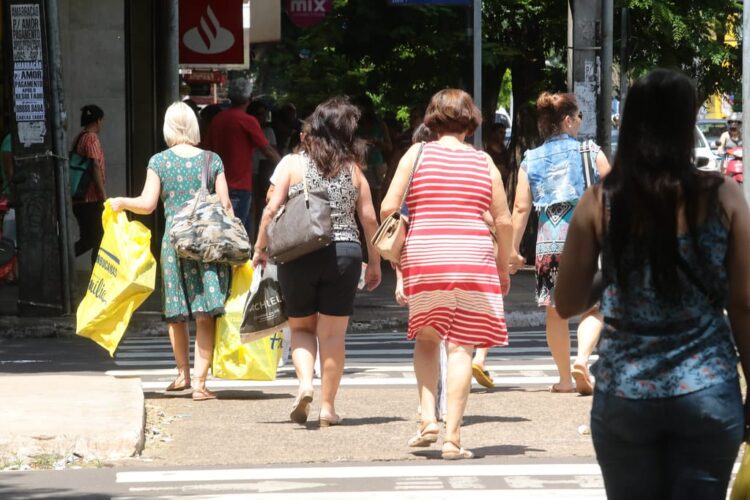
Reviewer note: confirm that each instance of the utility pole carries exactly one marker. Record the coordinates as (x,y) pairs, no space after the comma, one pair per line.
(604,129)
(167,58)
(477,34)
(585,75)
(746,79)
(623,55)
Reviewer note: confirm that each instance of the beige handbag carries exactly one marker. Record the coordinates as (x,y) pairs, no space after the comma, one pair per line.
(391,235)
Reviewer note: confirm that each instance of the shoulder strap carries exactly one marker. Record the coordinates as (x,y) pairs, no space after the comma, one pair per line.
(206,173)
(411,175)
(587,173)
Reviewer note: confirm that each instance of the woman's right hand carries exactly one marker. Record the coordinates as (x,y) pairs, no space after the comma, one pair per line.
(260,258)
(116,204)
(516,262)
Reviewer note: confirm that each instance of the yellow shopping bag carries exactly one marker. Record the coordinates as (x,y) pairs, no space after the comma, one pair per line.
(741,487)
(123,277)
(232,359)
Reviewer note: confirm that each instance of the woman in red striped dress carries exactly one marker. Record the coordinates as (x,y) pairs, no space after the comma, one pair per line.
(453,280)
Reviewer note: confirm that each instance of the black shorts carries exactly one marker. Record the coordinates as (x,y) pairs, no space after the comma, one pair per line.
(324,281)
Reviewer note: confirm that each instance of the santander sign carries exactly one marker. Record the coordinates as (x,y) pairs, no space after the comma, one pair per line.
(211,33)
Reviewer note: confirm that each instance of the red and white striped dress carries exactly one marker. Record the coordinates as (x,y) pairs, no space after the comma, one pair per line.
(448,262)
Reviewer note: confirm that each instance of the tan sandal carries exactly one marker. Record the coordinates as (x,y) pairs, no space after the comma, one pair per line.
(173,387)
(582,378)
(301,406)
(427,433)
(458,454)
(330,421)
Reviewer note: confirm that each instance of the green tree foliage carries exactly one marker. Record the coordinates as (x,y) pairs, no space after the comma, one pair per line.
(688,35)
(402,55)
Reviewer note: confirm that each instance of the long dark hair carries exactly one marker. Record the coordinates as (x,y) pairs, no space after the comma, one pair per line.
(654,175)
(331,142)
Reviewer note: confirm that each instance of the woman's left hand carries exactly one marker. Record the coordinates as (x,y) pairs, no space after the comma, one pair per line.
(372,276)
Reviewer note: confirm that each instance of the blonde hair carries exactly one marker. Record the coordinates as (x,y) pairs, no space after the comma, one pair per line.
(181,125)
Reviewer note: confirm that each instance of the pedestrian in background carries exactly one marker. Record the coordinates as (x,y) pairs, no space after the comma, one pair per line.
(452,279)
(235,135)
(319,287)
(667,417)
(263,167)
(88,211)
(374,132)
(552,178)
(190,289)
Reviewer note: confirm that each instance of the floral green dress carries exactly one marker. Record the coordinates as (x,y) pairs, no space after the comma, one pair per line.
(188,287)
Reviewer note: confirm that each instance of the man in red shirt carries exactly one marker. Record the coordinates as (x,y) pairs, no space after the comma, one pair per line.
(233,135)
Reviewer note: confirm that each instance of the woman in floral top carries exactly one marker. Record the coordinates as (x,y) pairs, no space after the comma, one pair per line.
(667,418)
(189,288)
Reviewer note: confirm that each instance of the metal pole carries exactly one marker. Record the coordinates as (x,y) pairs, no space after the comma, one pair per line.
(477,32)
(167,45)
(570,47)
(58,144)
(746,79)
(605,131)
(623,56)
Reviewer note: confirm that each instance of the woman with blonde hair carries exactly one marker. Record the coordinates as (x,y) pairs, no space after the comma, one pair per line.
(453,280)
(190,289)
(551,178)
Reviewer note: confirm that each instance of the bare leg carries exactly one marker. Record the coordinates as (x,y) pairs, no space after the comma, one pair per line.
(558,340)
(459,383)
(304,349)
(588,335)
(427,371)
(180,339)
(205,329)
(331,332)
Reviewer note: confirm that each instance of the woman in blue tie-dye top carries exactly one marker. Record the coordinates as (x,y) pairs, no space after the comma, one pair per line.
(667,418)
(552,177)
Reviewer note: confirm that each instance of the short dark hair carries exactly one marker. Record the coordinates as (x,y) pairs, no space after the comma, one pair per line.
(452,111)
(91,113)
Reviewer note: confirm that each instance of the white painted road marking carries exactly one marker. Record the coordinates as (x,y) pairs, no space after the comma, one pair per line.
(350,472)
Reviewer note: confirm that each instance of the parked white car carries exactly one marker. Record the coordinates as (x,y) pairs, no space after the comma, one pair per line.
(705,159)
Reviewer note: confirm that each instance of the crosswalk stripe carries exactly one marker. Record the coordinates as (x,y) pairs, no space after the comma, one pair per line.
(431,494)
(357,472)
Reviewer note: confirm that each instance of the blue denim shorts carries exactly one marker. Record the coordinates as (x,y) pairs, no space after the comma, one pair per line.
(681,447)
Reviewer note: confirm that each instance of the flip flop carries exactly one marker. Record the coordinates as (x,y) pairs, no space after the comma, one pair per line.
(203,395)
(173,387)
(554,389)
(427,433)
(482,376)
(582,379)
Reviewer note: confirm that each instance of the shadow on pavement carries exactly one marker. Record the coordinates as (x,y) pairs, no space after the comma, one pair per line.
(18,493)
(74,354)
(226,395)
(481,452)
(486,419)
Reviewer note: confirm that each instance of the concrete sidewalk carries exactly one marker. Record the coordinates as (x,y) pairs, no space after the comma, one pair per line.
(58,416)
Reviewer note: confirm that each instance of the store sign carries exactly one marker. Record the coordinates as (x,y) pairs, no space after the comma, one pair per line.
(306,13)
(211,33)
(429,2)
(205,77)
(28,72)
